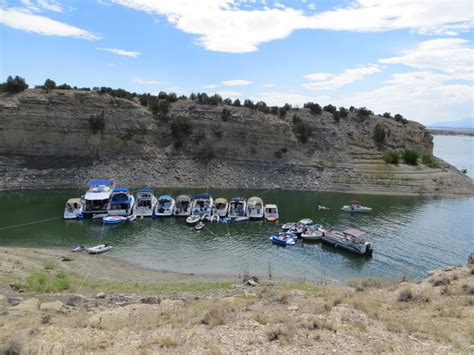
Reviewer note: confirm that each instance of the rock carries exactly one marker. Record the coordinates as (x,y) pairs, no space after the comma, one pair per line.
(15,300)
(253,278)
(150,300)
(75,300)
(470,259)
(100,295)
(51,306)
(252,283)
(65,258)
(292,308)
(30,305)
(3,300)
(168,302)
(249,294)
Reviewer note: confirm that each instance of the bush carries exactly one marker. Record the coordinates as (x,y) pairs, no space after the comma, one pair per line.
(379,133)
(343,111)
(64,87)
(97,123)
(215,100)
(226,114)
(274,110)
(227,101)
(282,111)
(181,128)
(410,156)
(303,131)
(314,108)
(429,161)
(296,119)
(405,295)
(204,150)
(337,116)
(387,115)
(160,106)
(400,118)
(49,85)
(363,112)
(391,157)
(236,103)
(249,104)
(14,85)
(330,108)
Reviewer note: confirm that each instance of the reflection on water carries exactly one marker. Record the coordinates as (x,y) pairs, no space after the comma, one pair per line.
(410,235)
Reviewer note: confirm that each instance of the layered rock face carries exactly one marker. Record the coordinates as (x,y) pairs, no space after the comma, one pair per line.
(46,140)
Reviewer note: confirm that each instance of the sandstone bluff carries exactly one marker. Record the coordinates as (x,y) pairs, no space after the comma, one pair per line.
(46,141)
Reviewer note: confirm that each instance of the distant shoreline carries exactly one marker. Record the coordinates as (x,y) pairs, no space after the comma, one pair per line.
(452,131)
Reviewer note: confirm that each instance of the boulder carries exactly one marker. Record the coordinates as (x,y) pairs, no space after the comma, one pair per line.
(75,300)
(51,306)
(30,305)
(150,300)
(100,295)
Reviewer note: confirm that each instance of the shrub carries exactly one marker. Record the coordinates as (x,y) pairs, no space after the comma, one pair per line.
(278,154)
(296,119)
(343,111)
(262,107)
(330,108)
(274,110)
(284,109)
(303,131)
(429,161)
(204,150)
(97,122)
(226,114)
(249,104)
(405,295)
(314,108)
(391,157)
(227,101)
(410,156)
(400,118)
(236,103)
(379,133)
(387,115)
(160,106)
(181,128)
(64,87)
(215,100)
(14,85)
(49,85)
(363,112)
(337,116)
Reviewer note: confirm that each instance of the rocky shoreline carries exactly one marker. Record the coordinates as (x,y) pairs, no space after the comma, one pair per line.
(130,309)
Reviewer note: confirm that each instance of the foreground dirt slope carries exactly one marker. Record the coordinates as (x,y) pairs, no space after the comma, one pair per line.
(46,141)
(368,316)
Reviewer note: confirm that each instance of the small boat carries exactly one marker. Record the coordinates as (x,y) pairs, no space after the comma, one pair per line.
(145,203)
(255,207)
(182,207)
(96,199)
(288,225)
(215,218)
(193,219)
(271,213)
(203,204)
(73,209)
(323,208)
(221,206)
(98,249)
(283,238)
(297,229)
(77,249)
(305,221)
(237,207)
(350,240)
(114,219)
(355,207)
(199,226)
(165,206)
(121,202)
(314,232)
(99,216)
(241,219)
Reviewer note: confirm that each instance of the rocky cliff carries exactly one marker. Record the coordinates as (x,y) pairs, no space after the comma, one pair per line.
(46,140)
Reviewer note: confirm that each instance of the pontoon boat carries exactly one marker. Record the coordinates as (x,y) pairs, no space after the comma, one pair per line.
(350,239)
(97,197)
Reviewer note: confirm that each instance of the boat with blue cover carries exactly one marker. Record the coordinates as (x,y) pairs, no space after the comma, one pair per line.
(283,238)
(203,204)
(121,202)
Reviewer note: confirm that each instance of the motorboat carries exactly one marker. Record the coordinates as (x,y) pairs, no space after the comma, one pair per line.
(145,203)
(96,199)
(98,249)
(305,221)
(193,219)
(314,232)
(297,229)
(73,209)
(283,238)
(355,206)
(182,207)
(288,225)
(237,207)
(221,206)
(255,207)
(350,240)
(121,202)
(271,213)
(77,249)
(323,208)
(215,218)
(165,206)
(203,204)
(241,219)
(199,226)
(114,219)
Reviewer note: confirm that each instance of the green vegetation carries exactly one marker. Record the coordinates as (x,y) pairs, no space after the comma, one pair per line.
(181,128)
(387,115)
(410,156)
(363,112)
(135,131)
(344,112)
(429,161)
(400,118)
(391,157)
(45,282)
(379,133)
(49,85)
(49,265)
(282,111)
(97,122)
(14,85)
(314,108)
(226,114)
(302,130)
(160,106)
(330,108)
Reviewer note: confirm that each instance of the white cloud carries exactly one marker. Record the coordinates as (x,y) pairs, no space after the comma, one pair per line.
(141,81)
(222,25)
(278,98)
(50,5)
(121,52)
(452,56)
(328,81)
(230,93)
(24,21)
(237,82)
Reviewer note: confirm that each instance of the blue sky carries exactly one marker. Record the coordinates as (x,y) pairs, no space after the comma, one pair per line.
(410,57)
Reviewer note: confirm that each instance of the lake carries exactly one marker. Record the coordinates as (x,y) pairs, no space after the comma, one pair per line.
(410,235)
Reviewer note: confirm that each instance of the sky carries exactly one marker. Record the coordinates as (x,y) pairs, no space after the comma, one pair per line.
(414,57)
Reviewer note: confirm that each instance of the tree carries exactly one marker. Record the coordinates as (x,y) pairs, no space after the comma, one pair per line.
(160,106)
(387,115)
(314,108)
(14,85)
(226,114)
(363,112)
(379,133)
(97,122)
(181,128)
(330,108)
(49,85)
(343,111)
(64,87)
(303,131)
(236,103)
(227,101)
(249,103)
(284,109)
(400,118)
(215,100)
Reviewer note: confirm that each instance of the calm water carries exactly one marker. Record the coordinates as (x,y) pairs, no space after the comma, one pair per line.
(456,150)
(410,234)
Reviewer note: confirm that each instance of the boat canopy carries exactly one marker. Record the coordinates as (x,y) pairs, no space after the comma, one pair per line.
(183,198)
(120,189)
(355,202)
(203,196)
(145,189)
(270,206)
(354,232)
(255,200)
(237,199)
(165,198)
(73,201)
(100,183)
(220,200)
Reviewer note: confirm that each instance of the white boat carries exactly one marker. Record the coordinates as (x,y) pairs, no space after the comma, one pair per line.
(241,219)
(350,240)
(255,207)
(271,213)
(114,219)
(323,208)
(288,225)
(215,218)
(237,207)
(193,219)
(98,249)
(314,232)
(203,204)
(182,207)
(96,199)
(199,226)
(73,209)
(305,221)
(221,207)
(355,207)
(165,206)
(121,202)
(145,203)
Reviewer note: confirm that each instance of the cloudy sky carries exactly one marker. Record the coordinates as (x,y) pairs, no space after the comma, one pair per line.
(410,57)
